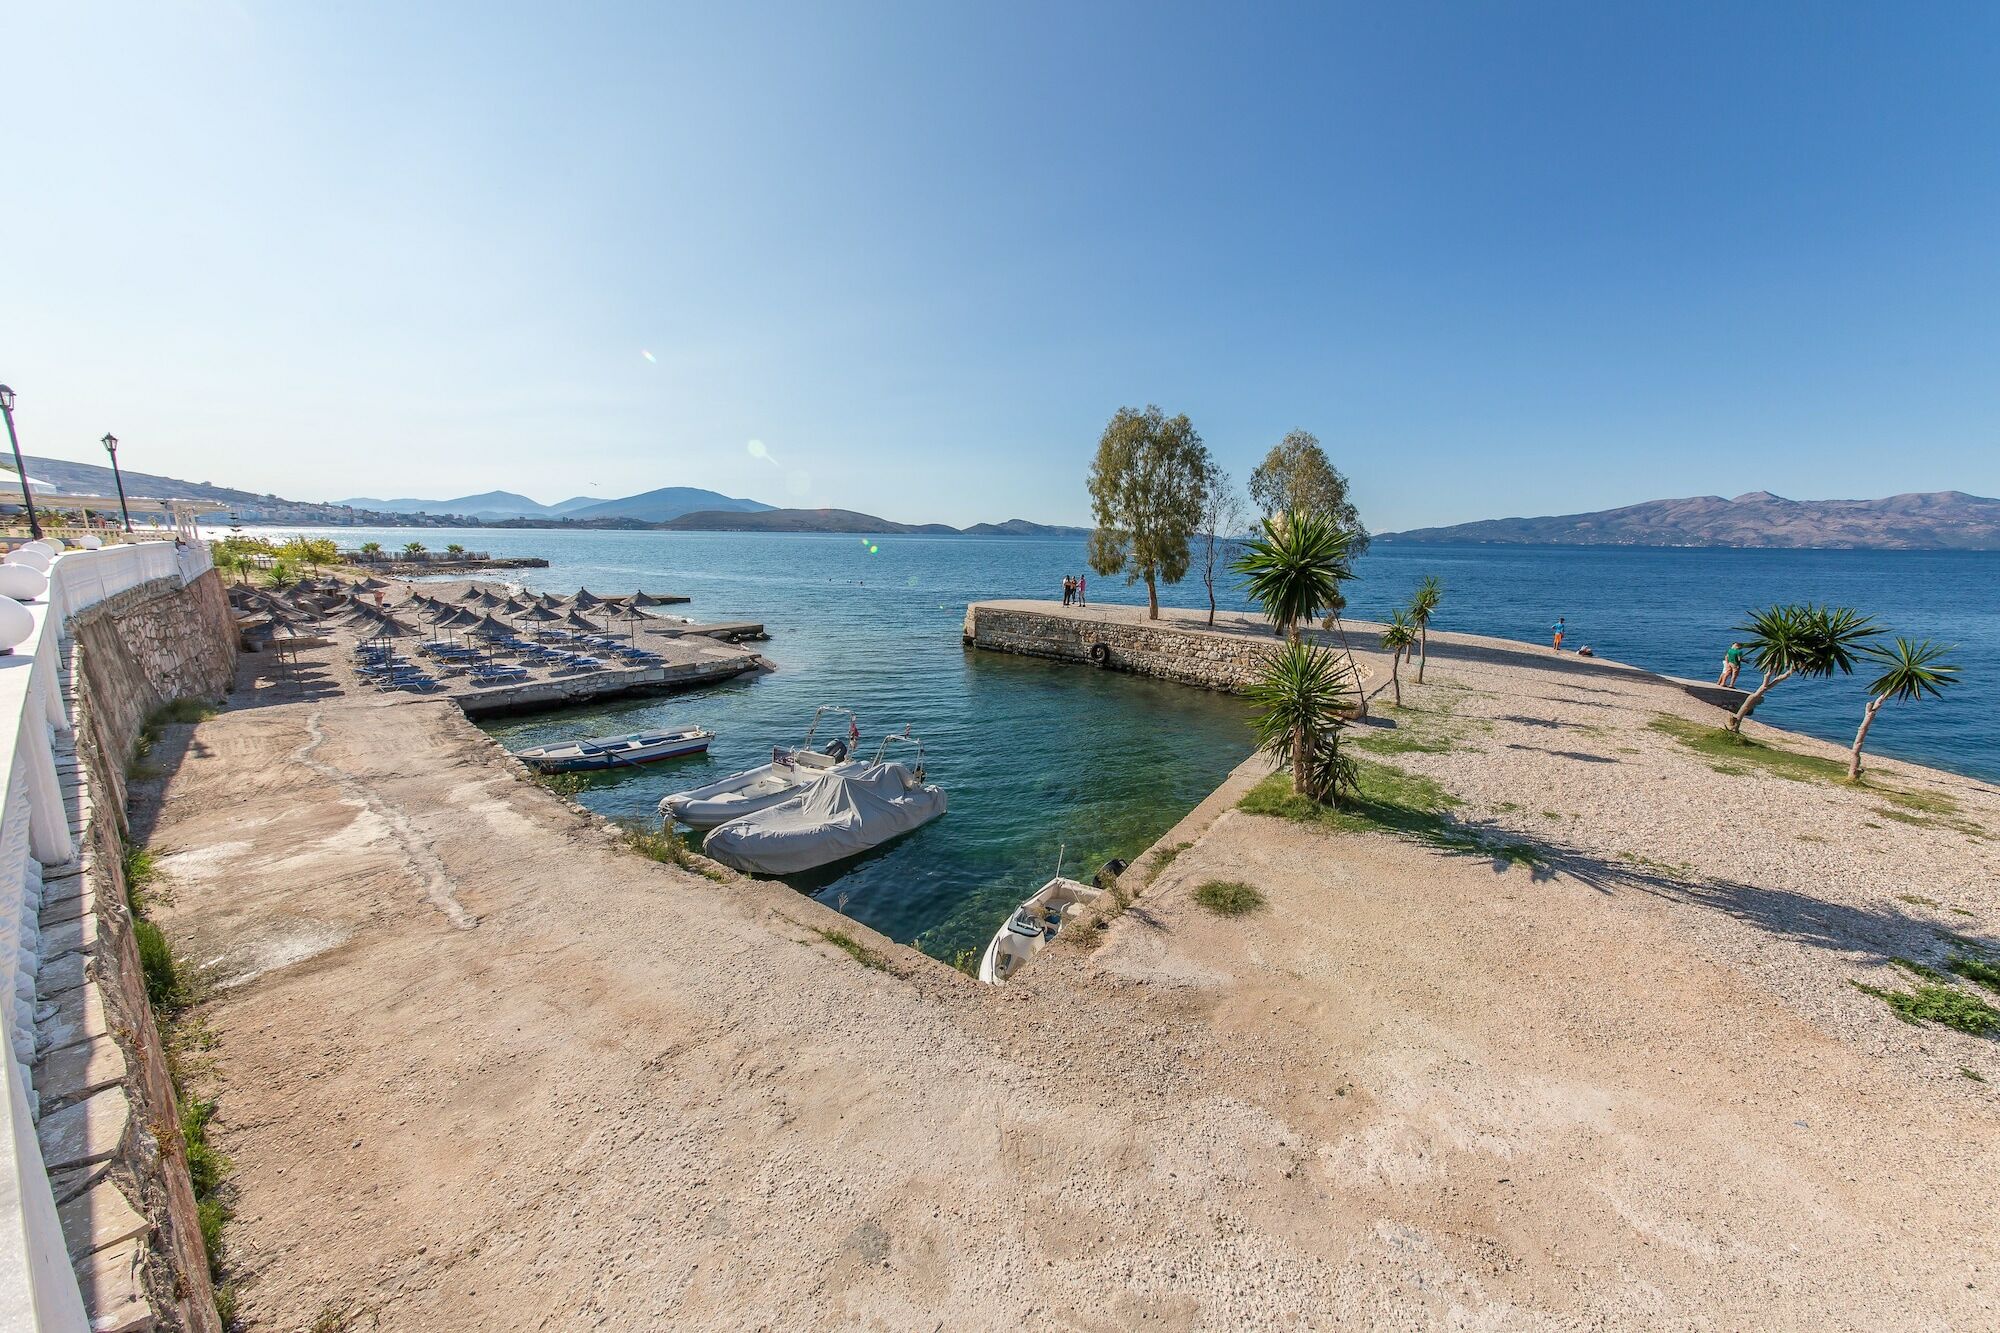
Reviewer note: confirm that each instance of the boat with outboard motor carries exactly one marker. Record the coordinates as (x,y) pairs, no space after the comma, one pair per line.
(601,752)
(840,815)
(1032,926)
(766,785)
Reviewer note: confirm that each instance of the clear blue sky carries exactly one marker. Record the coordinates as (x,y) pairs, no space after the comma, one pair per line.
(1501,258)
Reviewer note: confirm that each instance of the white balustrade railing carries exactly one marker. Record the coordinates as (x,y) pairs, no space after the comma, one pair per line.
(38,1287)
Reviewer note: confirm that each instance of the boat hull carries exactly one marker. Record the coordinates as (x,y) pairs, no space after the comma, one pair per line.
(575,758)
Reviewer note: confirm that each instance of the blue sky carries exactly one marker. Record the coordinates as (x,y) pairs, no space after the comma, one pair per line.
(1502,259)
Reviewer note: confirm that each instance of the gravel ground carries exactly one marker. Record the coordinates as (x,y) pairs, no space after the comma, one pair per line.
(482,1067)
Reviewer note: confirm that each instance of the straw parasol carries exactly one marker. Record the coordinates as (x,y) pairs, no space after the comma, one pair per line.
(489,628)
(647,599)
(576,620)
(584,599)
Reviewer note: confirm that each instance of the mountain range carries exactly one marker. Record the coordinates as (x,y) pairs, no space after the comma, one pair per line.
(657,506)
(1918,521)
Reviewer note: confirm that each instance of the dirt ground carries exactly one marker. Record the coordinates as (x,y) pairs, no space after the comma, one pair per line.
(482,1067)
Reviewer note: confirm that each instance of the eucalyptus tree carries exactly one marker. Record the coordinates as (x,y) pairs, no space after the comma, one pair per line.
(1299,703)
(1423,605)
(1222,516)
(1293,568)
(1800,640)
(1148,487)
(1297,475)
(1398,637)
(1911,671)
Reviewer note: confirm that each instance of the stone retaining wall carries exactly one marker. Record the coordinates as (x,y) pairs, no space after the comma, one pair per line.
(110,1121)
(1213,661)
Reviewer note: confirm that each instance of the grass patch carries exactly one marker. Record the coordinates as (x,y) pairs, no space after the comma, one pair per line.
(1438,730)
(1164,857)
(142,877)
(1978,971)
(1390,800)
(1935,1002)
(858,951)
(1228,897)
(1916,900)
(166,989)
(668,849)
(1738,752)
(1972,1074)
(1917,969)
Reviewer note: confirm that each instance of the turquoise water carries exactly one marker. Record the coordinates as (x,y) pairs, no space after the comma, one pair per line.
(1035,755)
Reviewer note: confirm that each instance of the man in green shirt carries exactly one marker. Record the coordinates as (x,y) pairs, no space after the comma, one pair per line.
(1732,665)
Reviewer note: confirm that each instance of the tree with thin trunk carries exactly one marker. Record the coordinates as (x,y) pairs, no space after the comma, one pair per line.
(1222,516)
(1296,474)
(1293,568)
(1300,698)
(1912,670)
(1808,642)
(1148,485)
(1398,638)
(1423,605)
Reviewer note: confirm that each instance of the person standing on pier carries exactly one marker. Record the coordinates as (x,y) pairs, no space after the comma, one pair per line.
(1081,600)
(1069,588)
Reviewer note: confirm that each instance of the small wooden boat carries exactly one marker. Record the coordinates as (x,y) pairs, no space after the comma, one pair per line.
(1031,926)
(601,752)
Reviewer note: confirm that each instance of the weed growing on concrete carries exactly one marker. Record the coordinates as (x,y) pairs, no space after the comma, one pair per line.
(1972,1074)
(1228,897)
(1916,900)
(966,961)
(166,989)
(1389,800)
(1938,1003)
(1164,857)
(565,785)
(853,948)
(668,849)
(142,874)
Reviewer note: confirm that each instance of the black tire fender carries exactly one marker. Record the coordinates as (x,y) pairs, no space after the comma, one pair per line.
(1100,654)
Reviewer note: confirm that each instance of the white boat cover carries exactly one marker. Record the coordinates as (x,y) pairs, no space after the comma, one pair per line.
(840,815)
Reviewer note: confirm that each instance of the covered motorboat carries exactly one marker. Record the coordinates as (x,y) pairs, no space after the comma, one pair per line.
(601,752)
(766,785)
(840,815)
(1031,927)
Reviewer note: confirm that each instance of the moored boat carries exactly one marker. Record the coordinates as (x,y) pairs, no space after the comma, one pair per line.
(840,815)
(1031,927)
(754,789)
(601,752)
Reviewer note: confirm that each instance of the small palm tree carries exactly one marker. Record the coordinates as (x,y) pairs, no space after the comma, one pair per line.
(1803,641)
(1294,567)
(454,550)
(1423,605)
(1912,671)
(371,548)
(1299,700)
(413,549)
(1398,638)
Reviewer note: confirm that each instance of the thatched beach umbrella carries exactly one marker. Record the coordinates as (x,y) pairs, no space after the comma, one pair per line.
(371,585)
(576,620)
(648,599)
(584,599)
(388,627)
(539,615)
(489,628)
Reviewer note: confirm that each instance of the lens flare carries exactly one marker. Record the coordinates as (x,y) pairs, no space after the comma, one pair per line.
(649,356)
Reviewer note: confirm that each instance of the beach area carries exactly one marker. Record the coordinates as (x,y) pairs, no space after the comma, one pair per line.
(1586,1046)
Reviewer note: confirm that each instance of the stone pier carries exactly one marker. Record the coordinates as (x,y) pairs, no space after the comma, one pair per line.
(1179,646)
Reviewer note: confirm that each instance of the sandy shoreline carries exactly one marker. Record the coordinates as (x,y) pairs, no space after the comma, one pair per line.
(1628,1084)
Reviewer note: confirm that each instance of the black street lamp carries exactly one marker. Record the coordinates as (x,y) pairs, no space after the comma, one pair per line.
(111,447)
(27,500)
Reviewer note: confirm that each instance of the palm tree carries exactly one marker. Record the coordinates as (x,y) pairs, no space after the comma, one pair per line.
(413,549)
(1423,605)
(1913,670)
(1294,568)
(1300,698)
(1803,641)
(454,549)
(1398,638)
(371,548)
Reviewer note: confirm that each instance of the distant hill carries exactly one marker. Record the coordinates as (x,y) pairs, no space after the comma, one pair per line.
(648,507)
(1919,521)
(1021,527)
(97,479)
(797,520)
(669,502)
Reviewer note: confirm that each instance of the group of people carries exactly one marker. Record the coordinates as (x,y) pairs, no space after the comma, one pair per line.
(1073,590)
(1732,656)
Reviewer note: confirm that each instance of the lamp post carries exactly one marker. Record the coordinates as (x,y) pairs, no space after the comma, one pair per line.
(27,499)
(111,447)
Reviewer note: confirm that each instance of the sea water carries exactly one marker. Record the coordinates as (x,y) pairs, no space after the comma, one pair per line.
(1042,759)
